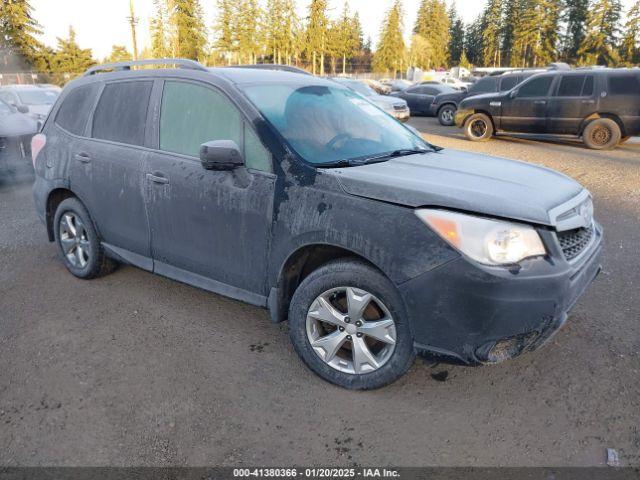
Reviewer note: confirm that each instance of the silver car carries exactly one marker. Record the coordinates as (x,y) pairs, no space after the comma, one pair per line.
(396,107)
(34,100)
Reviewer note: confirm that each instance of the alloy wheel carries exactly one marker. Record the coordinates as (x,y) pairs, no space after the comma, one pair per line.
(74,239)
(351,330)
(447,115)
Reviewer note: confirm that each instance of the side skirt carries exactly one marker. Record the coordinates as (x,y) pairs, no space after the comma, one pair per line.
(185,276)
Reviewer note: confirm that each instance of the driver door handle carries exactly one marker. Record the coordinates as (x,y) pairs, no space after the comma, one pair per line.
(82,157)
(539,102)
(157,178)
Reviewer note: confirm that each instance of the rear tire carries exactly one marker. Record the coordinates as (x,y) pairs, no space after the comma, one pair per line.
(355,353)
(478,127)
(78,241)
(601,134)
(446,115)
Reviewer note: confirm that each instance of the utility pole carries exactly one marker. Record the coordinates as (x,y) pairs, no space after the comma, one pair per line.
(133,21)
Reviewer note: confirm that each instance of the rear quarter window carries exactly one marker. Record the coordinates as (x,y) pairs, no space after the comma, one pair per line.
(624,84)
(121,114)
(485,85)
(76,106)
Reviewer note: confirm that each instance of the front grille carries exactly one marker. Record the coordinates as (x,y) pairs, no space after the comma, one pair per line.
(399,108)
(573,242)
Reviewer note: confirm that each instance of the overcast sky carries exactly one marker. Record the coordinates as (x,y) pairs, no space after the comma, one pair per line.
(99,24)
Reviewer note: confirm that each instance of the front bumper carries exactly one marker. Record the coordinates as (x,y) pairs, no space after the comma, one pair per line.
(461,116)
(474,314)
(401,115)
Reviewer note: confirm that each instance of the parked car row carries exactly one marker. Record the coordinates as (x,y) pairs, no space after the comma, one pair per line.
(16,130)
(33,100)
(395,107)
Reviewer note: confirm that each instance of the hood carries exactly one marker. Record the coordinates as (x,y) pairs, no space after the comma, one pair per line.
(386,102)
(482,99)
(450,97)
(17,124)
(466,181)
(42,109)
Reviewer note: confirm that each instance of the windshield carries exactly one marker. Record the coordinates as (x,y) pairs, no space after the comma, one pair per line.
(38,96)
(361,88)
(326,125)
(4,108)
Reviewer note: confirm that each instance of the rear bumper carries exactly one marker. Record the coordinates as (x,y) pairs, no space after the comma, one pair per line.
(472,315)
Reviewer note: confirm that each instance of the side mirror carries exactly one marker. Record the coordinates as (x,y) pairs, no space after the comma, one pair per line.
(513,94)
(220,155)
(22,108)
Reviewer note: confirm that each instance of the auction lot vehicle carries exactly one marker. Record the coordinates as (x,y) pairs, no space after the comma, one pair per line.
(396,107)
(292,193)
(602,106)
(444,105)
(16,131)
(34,100)
(420,97)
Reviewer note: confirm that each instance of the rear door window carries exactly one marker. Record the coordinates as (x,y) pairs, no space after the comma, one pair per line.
(571,86)
(76,106)
(121,114)
(624,84)
(485,85)
(507,83)
(587,88)
(430,91)
(537,87)
(194,114)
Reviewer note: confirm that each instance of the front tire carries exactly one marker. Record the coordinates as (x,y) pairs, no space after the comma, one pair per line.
(78,241)
(601,134)
(348,324)
(478,127)
(446,115)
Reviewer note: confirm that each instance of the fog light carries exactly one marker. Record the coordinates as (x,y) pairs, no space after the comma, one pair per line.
(503,350)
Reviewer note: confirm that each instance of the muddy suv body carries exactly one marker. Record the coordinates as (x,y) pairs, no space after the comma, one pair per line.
(253,184)
(600,105)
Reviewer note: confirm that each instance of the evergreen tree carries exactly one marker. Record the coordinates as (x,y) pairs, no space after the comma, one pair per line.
(464,61)
(630,48)
(420,52)
(187,31)
(456,36)
(249,15)
(512,10)
(158,30)
(473,39)
(119,53)
(282,30)
(345,37)
(491,33)
(317,30)
(534,38)
(224,29)
(575,18)
(600,43)
(432,24)
(18,45)
(69,57)
(390,54)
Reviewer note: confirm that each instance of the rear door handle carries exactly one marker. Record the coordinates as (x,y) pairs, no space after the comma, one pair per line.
(539,102)
(588,102)
(82,157)
(157,178)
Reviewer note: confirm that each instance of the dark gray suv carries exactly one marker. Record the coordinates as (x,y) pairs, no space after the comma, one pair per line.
(292,193)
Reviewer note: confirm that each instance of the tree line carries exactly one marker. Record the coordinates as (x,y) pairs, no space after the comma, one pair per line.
(517,33)
(513,33)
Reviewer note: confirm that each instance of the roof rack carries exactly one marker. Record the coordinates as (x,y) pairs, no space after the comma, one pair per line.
(119,66)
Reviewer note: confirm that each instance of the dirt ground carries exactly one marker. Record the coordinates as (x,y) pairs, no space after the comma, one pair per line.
(135,369)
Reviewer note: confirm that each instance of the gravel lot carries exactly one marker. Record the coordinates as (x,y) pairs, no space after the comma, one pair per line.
(135,369)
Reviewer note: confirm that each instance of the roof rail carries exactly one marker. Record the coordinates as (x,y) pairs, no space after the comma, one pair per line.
(119,66)
(273,66)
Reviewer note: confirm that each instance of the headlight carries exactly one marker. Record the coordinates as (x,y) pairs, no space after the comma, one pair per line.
(491,242)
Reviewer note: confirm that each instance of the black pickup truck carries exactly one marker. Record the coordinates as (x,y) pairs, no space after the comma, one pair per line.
(600,105)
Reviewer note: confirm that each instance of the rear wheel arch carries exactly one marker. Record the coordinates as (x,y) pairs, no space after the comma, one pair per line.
(595,116)
(55,198)
(298,265)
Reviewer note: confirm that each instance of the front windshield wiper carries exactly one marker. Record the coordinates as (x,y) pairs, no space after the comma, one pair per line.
(382,157)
